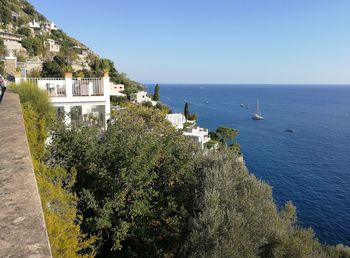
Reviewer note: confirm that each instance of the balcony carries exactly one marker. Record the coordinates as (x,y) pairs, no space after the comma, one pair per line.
(55,87)
(87,87)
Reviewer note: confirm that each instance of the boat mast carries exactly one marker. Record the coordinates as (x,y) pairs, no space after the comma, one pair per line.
(257,107)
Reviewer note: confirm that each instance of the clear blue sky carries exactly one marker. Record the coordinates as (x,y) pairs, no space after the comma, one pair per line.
(206,41)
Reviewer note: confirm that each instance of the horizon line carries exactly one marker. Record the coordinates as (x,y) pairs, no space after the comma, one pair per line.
(245,83)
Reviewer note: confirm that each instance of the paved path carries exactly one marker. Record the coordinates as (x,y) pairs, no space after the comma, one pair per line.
(22,227)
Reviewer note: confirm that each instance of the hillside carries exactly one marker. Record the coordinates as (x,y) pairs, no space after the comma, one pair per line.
(43,49)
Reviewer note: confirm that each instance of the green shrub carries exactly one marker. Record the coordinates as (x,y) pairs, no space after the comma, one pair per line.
(237,216)
(135,182)
(34,45)
(38,99)
(25,31)
(54,183)
(117,100)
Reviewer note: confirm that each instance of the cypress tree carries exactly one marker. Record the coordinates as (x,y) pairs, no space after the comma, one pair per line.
(186,110)
(156,93)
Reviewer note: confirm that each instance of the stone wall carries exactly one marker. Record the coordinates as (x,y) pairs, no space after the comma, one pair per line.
(22,226)
(10,65)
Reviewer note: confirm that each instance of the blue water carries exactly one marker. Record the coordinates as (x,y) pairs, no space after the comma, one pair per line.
(310,166)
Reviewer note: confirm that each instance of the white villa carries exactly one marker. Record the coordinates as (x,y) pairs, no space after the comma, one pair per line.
(49,26)
(34,24)
(52,46)
(41,27)
(88,99)
(177,120)
(117,89)
(141,97)
(198,135)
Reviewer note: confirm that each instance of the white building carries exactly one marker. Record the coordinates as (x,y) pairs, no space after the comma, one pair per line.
(198,135)
(141,97)
(87,100)
(49,26)
(117,89)
(52,46)
(34,24)
(177,120)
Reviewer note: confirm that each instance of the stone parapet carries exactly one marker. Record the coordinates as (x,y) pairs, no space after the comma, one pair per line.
(22,227)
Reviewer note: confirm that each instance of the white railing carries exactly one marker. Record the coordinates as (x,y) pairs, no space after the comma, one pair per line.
(87,87)
(55,87)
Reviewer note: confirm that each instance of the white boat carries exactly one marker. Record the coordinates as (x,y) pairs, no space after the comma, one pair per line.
(257,115)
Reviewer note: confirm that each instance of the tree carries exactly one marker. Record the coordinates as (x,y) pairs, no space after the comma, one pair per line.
(106,65)
(5,15)
(237,217)
(156,93)
(24,31)
(55,68)
(226,134)
(135,182)
(34,45)
(186,110)
(29,9)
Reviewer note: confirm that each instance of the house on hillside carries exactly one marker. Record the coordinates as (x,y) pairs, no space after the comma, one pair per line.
(35,27)
(52,46)
(177,120)
(41,27)
(117,89)
(48,26)
(34,24)
(141,97)
(198,135)
(87,100)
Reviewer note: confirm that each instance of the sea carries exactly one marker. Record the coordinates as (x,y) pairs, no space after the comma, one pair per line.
(309,166)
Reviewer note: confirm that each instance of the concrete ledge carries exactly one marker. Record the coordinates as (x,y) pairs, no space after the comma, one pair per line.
(22,227)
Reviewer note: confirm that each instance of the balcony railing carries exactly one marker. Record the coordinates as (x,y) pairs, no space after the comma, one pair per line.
(55,87)
(87,87)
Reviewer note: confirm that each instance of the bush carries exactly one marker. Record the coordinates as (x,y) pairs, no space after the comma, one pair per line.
(237,217)
(192,117)
(38,99)
(135,183)
(54,183)
(5,15)
(117,100)
(55,68)
(24,31)
(34,45)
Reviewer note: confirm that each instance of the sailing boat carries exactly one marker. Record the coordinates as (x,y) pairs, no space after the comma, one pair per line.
(257,115)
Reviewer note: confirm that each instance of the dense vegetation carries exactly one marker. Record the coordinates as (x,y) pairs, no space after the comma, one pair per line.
(25,10)
(135,183)
(54,182)
(141,189)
